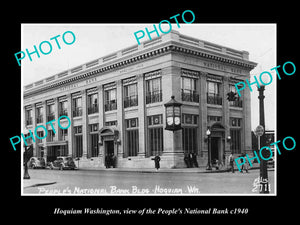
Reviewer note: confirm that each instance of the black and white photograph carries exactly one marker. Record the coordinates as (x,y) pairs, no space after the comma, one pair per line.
(134,112)
(145,109)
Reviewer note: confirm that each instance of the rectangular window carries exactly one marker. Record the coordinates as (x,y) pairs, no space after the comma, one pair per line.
(155,135)
(39,134)
(132,136)
(189,119)
(63,134)
(213,93)
(111,123)
(214,119)
(189,89)
(78,130)
(189,139)
(50,112)
(39,115)
(92,103)
(235,134)
(130,95)
(77,107)
(28,115)
(153,90)
(189,133)
(94,139)
(235,144)
(50,136)
(110,100)
(78,146)
(63,108)
(235,122)
(238,102)
(78,141)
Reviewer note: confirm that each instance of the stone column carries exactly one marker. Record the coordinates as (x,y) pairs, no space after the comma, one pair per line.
(44,123)
(226,115)
(202,115)
(120,118)
(101,117)
(84,124)
(35,146)
(70,129)
(56,116)
(173,151)
(246,121)
(142,117)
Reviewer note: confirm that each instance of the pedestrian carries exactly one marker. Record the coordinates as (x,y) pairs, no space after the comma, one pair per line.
(246,165)
(191,160)
(241,161)
(156,161)
(107,161)
(186,160)
(194,159)
(217,164)
(113,160)
(230,159)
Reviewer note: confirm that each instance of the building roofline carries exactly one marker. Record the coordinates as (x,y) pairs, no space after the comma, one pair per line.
(173,41)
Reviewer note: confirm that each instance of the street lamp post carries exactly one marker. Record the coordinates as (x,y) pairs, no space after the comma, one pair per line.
(209,152)
(263,163)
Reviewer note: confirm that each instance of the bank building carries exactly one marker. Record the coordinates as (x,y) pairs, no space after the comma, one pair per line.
(116,105)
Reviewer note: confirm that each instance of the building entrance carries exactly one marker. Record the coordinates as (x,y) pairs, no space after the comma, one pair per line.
(217,143)
(215,148)
(109,148)
(110,157)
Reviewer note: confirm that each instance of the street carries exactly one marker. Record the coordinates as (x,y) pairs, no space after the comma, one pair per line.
(111,182)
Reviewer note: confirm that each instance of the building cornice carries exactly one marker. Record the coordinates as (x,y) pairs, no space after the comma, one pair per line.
(150,49)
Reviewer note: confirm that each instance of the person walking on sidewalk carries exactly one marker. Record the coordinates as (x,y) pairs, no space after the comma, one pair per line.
(156,161)
(246,165)
(230,159)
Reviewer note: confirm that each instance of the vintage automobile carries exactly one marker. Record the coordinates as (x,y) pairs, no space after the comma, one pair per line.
(36,162)
(62,163)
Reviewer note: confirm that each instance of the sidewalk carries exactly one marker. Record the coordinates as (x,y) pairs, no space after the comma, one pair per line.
(33,182)
(201,169)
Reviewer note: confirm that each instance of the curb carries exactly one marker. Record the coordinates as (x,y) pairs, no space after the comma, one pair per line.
(167,171)
(40,184)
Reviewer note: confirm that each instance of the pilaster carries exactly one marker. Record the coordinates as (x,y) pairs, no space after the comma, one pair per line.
(101,116)
(202,114)
(70,129)
(226,114)
(56,116)
(85,153)
(120,119)
(35,152)
(141,115)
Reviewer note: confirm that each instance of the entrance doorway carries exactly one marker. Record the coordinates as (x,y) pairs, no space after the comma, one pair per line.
(110,157)
(108,137)
(109,148)
(215,148)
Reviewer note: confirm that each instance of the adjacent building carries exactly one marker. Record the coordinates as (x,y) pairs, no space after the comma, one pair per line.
(116,105)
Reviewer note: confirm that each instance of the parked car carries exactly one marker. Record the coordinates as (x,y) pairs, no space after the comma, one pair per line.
(36,162)
(62,163)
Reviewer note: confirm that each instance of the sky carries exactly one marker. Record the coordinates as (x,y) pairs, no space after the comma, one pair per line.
(97,40)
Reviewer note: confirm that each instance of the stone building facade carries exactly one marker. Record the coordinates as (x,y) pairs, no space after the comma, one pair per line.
(116,105)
